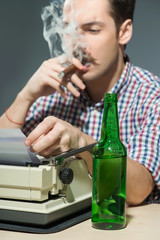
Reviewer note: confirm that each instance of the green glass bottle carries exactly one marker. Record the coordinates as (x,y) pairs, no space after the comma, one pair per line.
(109,172)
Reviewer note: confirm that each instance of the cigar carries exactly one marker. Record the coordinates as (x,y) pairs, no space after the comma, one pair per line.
(66,71)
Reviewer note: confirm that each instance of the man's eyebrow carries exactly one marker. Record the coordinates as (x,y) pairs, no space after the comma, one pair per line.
(86,24)
(92,23)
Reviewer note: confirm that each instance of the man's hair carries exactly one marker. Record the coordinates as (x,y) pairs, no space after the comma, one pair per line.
(122,10)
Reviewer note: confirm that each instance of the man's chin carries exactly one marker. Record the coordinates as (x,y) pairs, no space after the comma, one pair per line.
(89,77)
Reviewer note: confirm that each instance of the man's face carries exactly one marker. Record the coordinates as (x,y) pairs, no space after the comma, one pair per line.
(98,31)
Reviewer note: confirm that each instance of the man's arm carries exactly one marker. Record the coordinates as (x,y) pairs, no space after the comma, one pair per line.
(45,81)
(16,112)
(140,182)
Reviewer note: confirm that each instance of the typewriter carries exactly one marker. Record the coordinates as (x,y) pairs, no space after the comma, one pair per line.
(39,191)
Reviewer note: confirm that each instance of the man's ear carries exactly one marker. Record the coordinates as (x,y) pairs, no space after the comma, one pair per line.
(125,32)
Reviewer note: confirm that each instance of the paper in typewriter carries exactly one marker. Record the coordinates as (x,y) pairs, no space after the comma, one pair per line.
(13,151)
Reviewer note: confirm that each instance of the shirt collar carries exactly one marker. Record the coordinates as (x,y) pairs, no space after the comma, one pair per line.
(86,101)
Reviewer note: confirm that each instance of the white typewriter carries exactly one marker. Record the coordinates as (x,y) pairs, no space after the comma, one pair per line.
(36,190)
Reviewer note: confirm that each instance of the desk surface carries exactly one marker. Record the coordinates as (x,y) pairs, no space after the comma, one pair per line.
(143,224)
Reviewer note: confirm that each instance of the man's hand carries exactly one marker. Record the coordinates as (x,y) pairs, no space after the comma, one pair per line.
(46,81)
(53,136)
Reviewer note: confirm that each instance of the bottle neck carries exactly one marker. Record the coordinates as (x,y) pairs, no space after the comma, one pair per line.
(110,124)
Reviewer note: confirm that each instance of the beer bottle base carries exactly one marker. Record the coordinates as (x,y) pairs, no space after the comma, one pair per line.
(108,226)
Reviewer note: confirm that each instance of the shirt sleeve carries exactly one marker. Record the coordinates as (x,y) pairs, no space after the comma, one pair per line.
(144,146)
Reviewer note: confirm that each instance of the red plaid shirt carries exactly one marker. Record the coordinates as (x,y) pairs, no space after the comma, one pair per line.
(139,116)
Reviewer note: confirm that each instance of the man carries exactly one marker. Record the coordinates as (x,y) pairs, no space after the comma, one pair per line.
(71,117)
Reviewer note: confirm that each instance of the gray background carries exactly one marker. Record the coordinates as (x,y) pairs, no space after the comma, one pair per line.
(23,49)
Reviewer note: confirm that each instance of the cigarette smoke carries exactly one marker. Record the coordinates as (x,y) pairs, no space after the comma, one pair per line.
(62,40)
